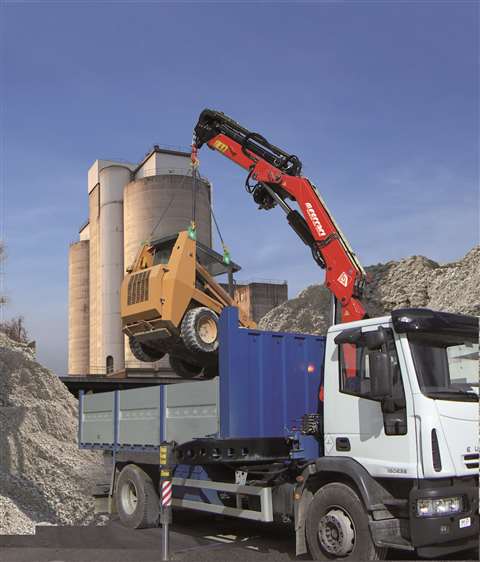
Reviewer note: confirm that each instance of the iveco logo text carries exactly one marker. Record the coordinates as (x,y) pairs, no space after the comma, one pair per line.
(315,220)
(396,470)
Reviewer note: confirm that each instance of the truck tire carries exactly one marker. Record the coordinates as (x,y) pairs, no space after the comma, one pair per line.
(136,498)
(199,330)
(337,526)
(143,352)
(183,368)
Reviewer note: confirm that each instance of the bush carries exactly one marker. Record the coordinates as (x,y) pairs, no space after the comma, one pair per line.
(15,329)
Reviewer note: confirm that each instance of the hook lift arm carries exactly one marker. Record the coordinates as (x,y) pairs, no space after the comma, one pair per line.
(274,178)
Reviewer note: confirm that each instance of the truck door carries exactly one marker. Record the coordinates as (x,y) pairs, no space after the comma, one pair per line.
(379,434)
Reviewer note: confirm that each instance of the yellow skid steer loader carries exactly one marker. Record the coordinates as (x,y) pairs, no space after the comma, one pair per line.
(170,303)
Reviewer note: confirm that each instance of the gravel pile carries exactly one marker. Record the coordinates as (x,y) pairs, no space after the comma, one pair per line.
(411,282)
(44,477)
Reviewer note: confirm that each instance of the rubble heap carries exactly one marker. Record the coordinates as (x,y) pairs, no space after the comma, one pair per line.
(44,477)
(411,282)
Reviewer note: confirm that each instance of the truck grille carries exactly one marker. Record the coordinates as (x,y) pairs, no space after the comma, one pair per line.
(138,287)
(471,460)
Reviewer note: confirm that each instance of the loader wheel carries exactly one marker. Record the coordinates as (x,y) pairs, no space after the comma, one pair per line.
(143,352)
(136,498)
(183,368)
(199,330)
(337,526)
(210,372)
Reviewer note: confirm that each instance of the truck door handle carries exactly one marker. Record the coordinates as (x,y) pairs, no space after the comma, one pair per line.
(342,444)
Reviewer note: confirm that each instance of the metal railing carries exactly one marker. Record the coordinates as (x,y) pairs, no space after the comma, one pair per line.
(246,282)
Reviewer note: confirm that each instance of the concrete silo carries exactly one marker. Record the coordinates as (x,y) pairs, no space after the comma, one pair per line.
(78,308)
(113,179)
(106,180)
(94,279)
(158,206)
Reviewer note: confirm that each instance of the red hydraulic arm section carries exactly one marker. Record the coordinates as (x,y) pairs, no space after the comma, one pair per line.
(274,178)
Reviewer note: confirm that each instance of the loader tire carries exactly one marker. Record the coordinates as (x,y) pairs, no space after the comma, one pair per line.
(199,330)
(183,368)
(144,353)
(136,498)
(210,372)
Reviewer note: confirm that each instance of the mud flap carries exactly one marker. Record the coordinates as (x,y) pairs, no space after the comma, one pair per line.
(301,510)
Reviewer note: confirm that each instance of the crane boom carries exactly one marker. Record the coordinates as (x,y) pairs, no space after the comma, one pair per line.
(274,178)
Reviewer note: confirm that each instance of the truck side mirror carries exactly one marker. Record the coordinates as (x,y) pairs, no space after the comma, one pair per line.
(375,340)
(381,382)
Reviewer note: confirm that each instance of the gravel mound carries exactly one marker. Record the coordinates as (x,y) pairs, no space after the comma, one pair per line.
(411,282)
(44,477)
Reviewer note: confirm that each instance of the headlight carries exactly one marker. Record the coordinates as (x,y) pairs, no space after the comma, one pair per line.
(442,506)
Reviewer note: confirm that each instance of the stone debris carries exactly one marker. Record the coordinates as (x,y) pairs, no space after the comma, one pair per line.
(411,282)
(44,477)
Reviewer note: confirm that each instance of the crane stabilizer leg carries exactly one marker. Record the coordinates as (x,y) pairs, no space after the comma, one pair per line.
(277,178)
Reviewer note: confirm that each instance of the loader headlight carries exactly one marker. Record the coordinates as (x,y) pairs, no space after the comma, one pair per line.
(441,506)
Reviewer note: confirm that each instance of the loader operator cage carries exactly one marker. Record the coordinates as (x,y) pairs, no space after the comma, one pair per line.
(212,261)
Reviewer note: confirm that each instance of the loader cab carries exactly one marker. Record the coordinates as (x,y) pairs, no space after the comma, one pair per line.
(212,261)
(162,250)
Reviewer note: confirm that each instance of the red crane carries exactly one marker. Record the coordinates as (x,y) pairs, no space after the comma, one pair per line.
(274,178)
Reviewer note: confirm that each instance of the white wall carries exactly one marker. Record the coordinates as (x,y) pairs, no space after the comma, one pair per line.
(159,163)
(98,165)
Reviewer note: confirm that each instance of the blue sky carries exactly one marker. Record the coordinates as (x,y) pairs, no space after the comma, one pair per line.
(379,99)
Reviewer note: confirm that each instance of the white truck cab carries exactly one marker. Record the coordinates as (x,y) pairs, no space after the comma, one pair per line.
(401,404)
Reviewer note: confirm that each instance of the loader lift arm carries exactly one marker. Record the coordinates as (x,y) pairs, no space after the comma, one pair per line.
(274,177)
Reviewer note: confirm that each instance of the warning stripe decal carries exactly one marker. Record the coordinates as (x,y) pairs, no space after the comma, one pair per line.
(166,493)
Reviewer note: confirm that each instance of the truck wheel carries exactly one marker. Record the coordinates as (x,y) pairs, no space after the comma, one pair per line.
(183,368)
(337,526)
(199,330)
(136,498)
(143,352)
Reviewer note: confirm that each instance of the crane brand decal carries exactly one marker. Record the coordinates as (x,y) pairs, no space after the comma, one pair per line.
(220,146)
(343,279)
(315,220)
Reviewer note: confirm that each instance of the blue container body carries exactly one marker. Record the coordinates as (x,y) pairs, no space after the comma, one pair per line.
(268,380)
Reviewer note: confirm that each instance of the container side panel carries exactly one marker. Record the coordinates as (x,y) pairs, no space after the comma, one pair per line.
(274,396)
(251,425)
(141,416)
(296,363)
(191,410)
(233,359)
(97,418)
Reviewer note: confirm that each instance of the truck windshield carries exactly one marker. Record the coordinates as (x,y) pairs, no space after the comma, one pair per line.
(447,366)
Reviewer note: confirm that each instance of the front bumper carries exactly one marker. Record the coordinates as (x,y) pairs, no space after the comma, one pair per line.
(438,535)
